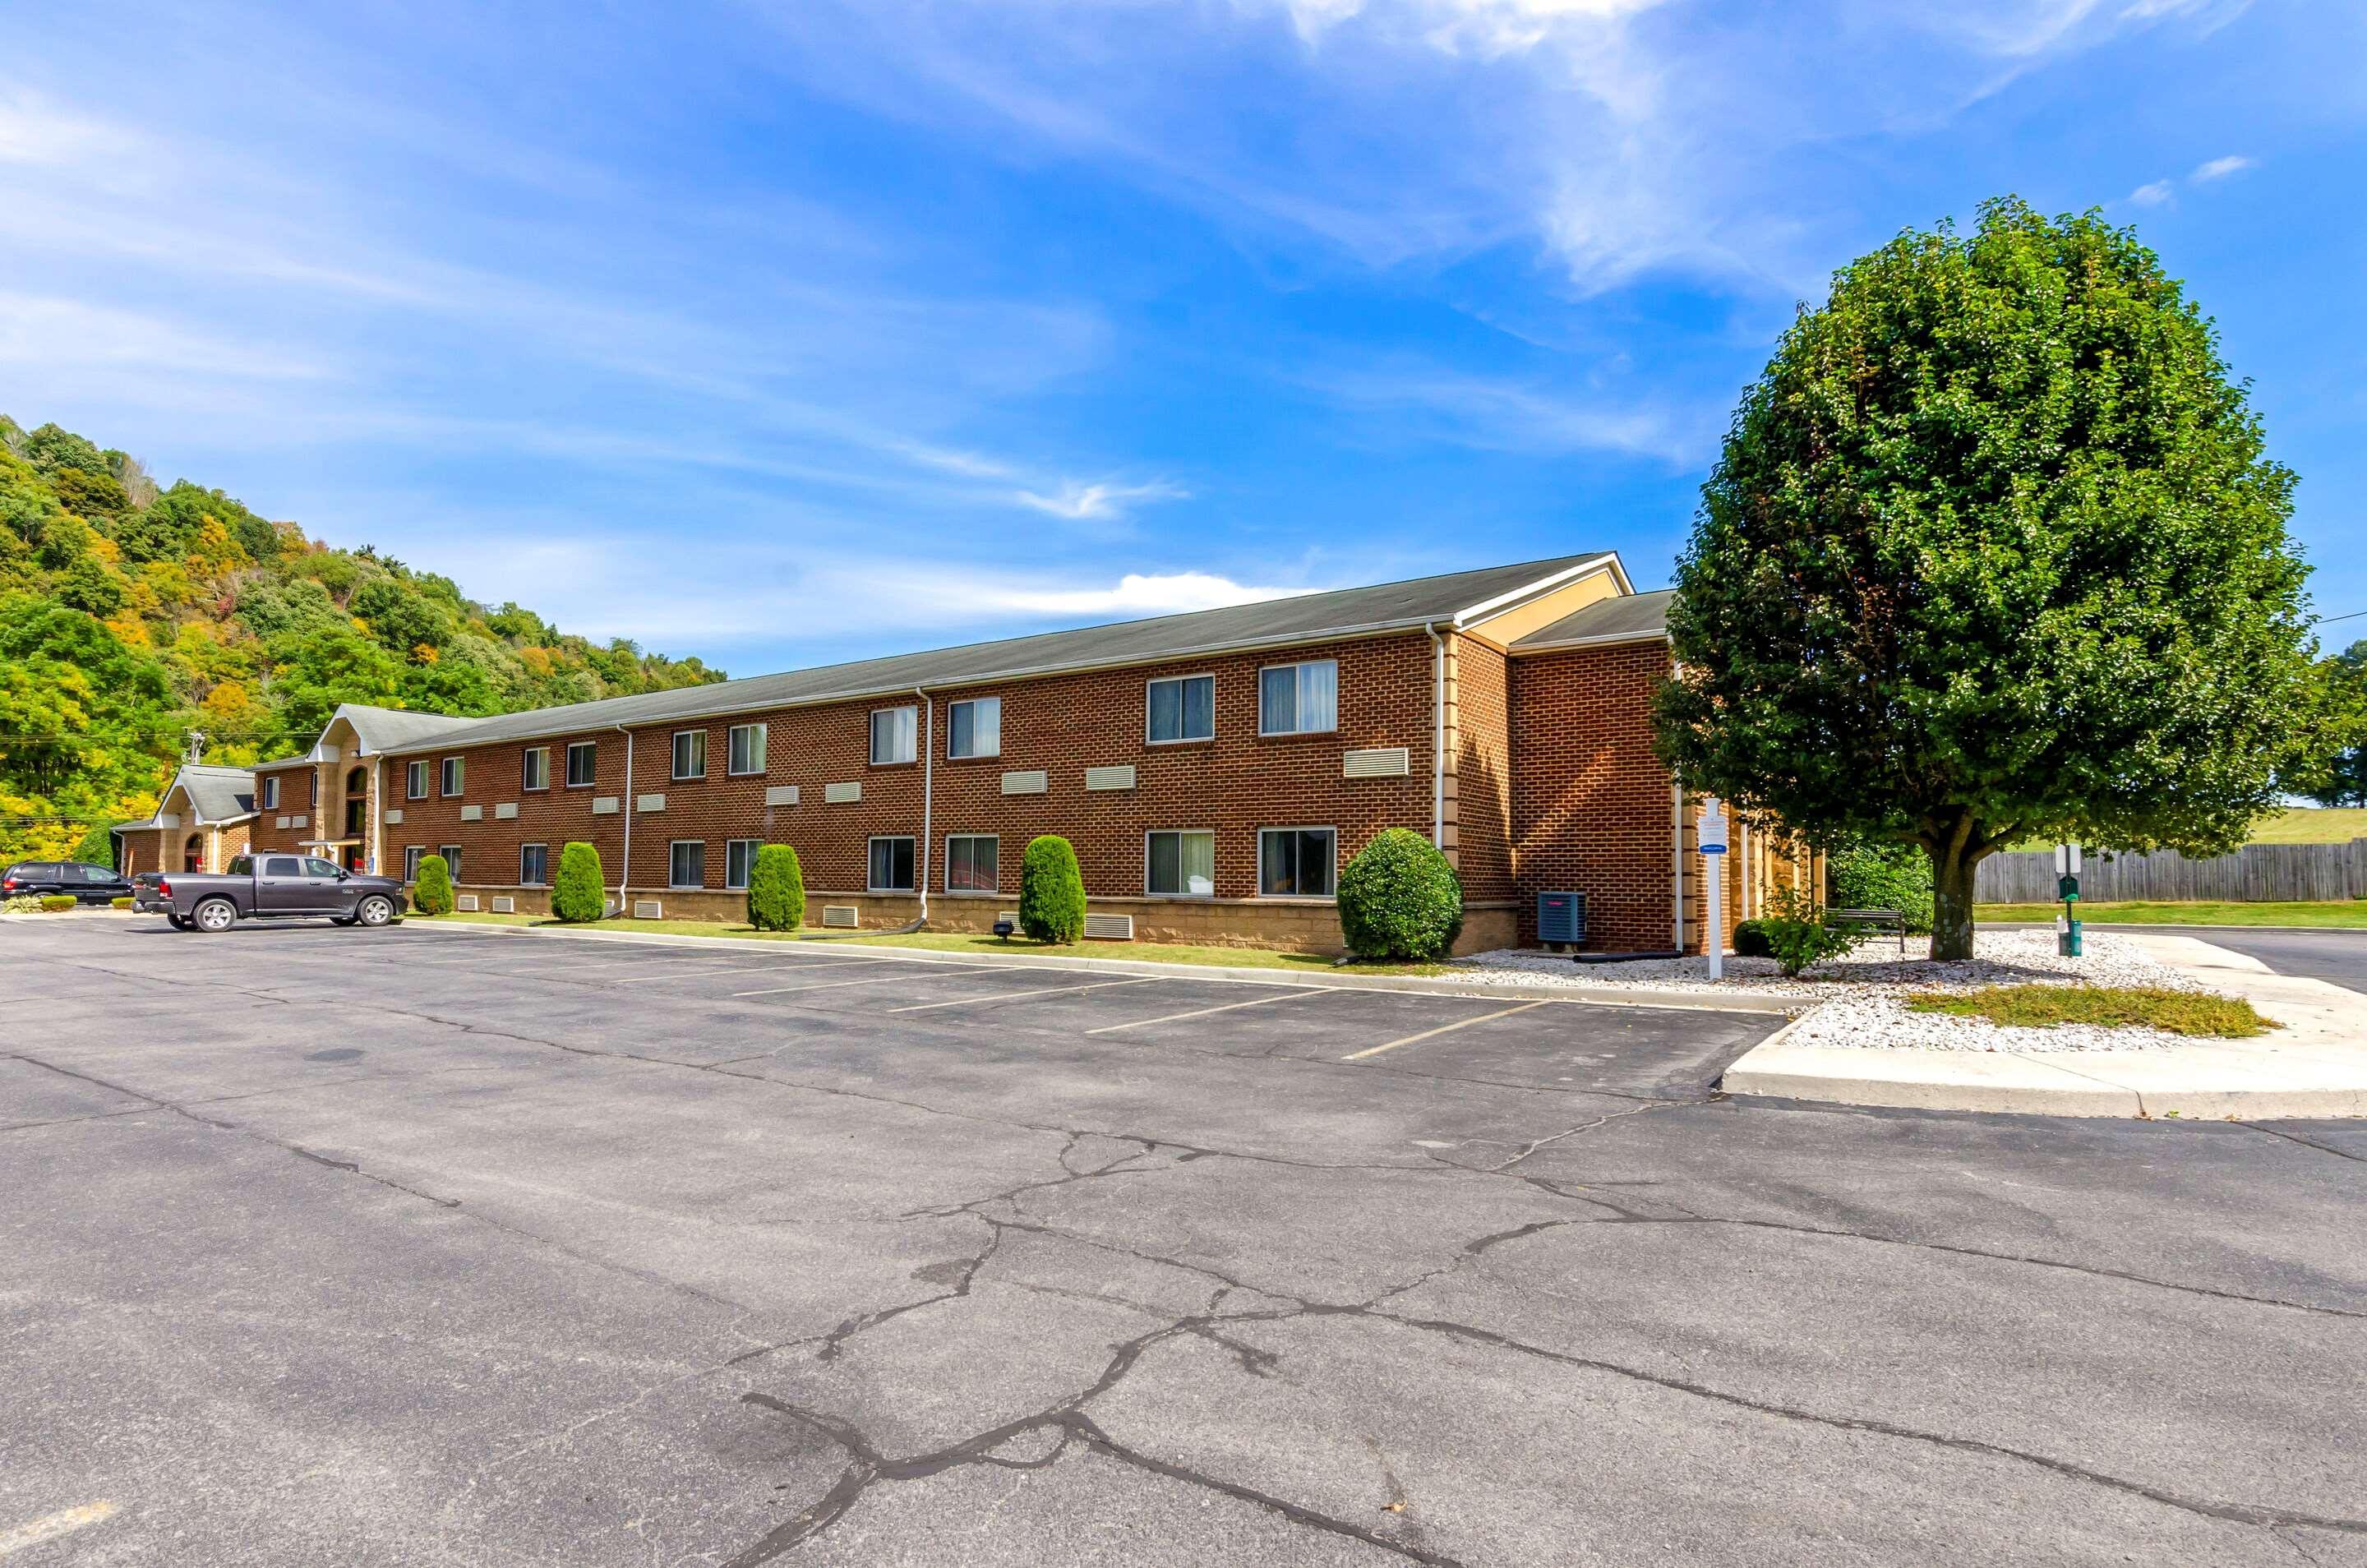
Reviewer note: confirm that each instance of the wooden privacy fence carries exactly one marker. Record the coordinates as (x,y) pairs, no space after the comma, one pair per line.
(2255,874)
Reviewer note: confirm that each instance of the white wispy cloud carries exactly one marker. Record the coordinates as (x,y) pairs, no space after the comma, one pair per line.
(2158,192)
(1104,502)
(1135,593)
(61,338)
(2220,168)
(1506,415)
(2152,194)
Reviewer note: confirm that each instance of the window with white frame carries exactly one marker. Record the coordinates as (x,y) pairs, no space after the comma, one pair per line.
(745,749)
(739,860)
(893,733)
(1295,863)
(1183,708)
(534,865)
(1180,864)
(974,728)
(535,772)
(271,793)
(414,780)
(451,853)
(582,762)
(1299,699)
(455,774)
(970,862)
(410,857)
(891,865)
(690,753)
(687,863)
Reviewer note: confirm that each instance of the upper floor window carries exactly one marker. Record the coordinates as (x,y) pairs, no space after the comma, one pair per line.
(1183,708)
(583,757)
(452,775)
(414,780)
(746,749)
(690,753)
(893,731)
(271,793)
(1299,699)
(974,728)
(536,769)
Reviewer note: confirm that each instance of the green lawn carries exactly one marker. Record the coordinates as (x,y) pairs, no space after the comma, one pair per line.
(2044,1007)
(958,942)
(2342,912)
(2314,825)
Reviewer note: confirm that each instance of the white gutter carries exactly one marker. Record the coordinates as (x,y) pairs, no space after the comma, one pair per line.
(928,768)
(625,872)
(1437,737)
(378,803)
(1605,639)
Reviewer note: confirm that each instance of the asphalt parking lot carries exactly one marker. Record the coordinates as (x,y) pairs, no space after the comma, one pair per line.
(446,1245)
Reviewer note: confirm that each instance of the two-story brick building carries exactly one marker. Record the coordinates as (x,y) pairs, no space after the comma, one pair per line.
(1213,770)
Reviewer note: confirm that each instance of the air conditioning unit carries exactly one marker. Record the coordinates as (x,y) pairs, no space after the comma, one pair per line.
(841,915)
(1109,928)
(505,905)
(466,901)
(1561,918)
(648,909)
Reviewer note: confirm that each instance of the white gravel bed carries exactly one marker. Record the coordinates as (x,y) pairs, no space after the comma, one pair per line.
(1864,992)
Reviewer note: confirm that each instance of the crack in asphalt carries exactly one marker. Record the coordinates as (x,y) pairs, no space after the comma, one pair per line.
(2305,1143)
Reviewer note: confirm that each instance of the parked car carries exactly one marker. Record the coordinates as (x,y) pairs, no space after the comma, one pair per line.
(272,887)
(87,884)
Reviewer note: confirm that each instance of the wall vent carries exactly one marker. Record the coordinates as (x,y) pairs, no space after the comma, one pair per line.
(283,822)
(844,794)
(1109,928)
(1031,781)
(781,795)
(649,803)
(648,909)
(466,901)
(505,905)
(841,915)
(395,819)
(473,814)
(506,812)
(604,806)
(1118,777)
(299,820)
(1377,763)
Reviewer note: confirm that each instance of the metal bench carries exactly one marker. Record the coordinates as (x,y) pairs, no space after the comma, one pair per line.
(1880,920)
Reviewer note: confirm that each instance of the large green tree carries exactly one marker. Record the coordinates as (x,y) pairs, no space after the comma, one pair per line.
(1993,552)
(2340,778)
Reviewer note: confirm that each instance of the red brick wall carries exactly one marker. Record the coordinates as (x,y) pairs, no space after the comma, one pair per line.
(1482,810)
(1590,804)
(294,800)
(1233,785)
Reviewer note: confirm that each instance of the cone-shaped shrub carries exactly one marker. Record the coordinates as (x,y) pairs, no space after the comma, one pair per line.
(432,893)
(581,893)
(1051,891)
(777,890)
(1398,898)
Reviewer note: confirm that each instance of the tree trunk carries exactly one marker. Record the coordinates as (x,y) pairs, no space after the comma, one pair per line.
(1951,901)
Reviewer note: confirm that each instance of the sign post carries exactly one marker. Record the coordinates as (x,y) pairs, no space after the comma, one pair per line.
(2067,887)
(1713,848)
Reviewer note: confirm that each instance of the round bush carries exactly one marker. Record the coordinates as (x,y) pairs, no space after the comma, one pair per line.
(1051,891)
(777,890)
(1398,898)
(1752,941)
(1884,876)
(580,892)
(431,894)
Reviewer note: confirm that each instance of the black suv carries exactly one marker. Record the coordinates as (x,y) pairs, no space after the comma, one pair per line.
(88,884)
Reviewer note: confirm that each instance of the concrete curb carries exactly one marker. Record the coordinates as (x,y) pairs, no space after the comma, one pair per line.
(1448,986)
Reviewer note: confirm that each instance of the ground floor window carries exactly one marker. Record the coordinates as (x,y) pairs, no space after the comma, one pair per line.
(970,862)
(451,853)
(891,865)
(739,858)
(1181,864)
(686,863)
(411,856)
(1295,863)
(534,865)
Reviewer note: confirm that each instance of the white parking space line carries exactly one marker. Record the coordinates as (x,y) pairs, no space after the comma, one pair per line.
(834,984)
(1018,996)
(689,974)
(51,1526)
(1442,1029)
(1203,1013)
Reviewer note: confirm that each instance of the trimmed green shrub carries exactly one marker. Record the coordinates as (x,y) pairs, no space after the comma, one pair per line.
(1051,891)
(1398,898)
(431,894)
(1750,940)
(777,890)
(123,903)
(57,903)
(1798,936)
(579,893)
(1886,876)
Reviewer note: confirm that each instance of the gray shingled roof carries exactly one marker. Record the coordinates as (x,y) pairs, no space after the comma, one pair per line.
(1309,617)
(384,729)
(215,794)
(1636,616)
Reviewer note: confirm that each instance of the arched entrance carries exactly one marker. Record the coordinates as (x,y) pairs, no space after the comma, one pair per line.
(193,852)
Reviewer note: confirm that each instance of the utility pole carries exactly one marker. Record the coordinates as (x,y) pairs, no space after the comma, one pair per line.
(197,745)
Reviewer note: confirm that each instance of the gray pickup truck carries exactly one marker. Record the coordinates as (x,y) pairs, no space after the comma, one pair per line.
(268,886)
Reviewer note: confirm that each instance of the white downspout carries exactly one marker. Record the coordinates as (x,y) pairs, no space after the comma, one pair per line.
(1437,735)
(378,803)
(1677,859)
(625,872)
(928,769)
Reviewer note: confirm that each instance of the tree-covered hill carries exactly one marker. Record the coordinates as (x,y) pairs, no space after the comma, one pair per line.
(131,615)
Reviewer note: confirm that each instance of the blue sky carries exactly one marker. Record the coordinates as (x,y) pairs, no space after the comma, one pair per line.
(787,332)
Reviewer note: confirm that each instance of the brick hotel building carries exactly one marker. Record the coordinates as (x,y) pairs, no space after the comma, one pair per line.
(1213,770)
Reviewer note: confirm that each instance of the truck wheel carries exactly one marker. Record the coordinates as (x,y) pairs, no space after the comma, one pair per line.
(214,916)
(374,911)
(180,922)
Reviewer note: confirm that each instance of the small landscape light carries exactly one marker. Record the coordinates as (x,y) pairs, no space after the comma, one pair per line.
(1004,930)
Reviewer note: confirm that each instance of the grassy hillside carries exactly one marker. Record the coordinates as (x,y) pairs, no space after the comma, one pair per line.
(131,615)
(2314,825)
